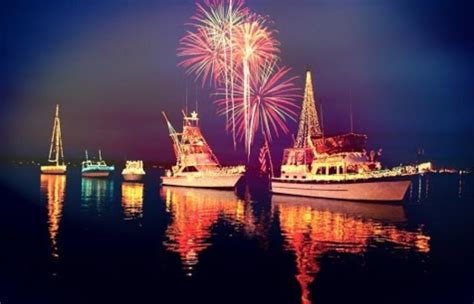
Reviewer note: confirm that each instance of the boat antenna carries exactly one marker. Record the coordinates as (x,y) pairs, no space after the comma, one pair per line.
(100,155)
(322,115)
(350,109)
(87,156)
(196,101)
(186,106)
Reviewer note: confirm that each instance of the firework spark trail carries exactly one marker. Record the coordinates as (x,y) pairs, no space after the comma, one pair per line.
(236,51)
(271,103)
(203,58)
(256,45)
(218,18)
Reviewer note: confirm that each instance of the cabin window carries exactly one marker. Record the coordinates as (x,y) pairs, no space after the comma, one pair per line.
(295,177)
(190,169)
(332,170)
(321,171)
(351,169)
(340,170)
(286,176)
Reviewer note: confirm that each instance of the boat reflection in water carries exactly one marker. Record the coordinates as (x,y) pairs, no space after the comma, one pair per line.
(52,189)
(94,194)
(194,212)
(132,200)
(313,227)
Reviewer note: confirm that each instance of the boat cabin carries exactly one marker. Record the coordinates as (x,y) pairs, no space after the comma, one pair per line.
(329,157)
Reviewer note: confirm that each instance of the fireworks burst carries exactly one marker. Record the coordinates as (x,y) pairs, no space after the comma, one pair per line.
(271,103)
(256,45)
(203,58)
(210,52)
(234,50)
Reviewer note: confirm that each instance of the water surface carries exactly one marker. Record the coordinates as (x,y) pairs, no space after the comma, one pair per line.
(67,239)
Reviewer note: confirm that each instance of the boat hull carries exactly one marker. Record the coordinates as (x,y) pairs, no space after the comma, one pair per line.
(133,177)
(96,174)
(215,182)
(383,190)
(53,169)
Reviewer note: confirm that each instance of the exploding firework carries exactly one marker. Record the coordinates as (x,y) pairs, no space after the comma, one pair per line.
(203,58)
(236,51)
(209,51)
(271,102)
(255,45)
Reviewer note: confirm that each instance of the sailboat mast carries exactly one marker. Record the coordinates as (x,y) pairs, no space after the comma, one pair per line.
(57,129)
(61,142)
(52,142)
(54,146)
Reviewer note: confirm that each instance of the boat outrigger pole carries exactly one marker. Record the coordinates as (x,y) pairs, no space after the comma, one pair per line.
(174,135)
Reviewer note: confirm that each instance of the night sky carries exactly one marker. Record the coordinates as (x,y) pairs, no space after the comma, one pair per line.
(112,66)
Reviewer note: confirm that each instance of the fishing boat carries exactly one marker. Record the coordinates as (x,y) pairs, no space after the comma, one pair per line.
(133,170)
(56,154)
(335,167)
(93,168)
(196,164)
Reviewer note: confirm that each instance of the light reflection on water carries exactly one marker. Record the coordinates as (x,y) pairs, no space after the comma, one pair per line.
(132,200)
(53,188)
(311,233)
(313,227)
(193,213)
(95,193)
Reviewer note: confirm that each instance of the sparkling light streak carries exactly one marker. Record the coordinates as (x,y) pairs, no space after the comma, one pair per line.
(235,51)
(270,103)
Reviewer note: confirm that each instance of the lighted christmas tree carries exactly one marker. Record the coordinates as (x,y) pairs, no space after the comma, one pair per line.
(309,122)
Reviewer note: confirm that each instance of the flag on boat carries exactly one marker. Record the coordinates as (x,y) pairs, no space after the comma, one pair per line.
(264,151)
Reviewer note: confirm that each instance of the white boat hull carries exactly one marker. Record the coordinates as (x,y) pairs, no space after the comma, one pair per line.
(54,169)
(374,190)
(133,177)
(227,181)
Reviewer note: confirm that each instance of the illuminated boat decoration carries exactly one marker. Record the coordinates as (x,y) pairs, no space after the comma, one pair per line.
(133,170)
(196,164)
(92,168)
(336,167)
(56,154)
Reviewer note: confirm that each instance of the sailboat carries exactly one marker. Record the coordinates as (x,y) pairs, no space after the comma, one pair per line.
(92,168)
(196,164)
(56,154)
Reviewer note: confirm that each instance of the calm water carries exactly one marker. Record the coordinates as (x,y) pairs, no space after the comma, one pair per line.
(70,240)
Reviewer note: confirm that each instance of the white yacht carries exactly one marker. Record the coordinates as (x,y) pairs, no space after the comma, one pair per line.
(196,164)
(335,167)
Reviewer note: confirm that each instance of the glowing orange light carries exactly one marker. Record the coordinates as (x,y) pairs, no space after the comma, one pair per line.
(53,187)
(310,232)
(132,200)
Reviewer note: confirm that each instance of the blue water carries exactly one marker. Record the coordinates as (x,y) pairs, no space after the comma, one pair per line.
(66,239)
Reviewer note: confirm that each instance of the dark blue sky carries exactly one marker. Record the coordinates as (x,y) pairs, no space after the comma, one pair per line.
(112,67)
